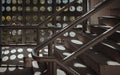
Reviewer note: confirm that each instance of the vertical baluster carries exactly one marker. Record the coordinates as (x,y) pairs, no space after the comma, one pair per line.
(52,67)
(0,31)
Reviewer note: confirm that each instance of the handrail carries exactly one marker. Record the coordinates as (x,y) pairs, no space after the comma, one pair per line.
(93,42)
(52,59)
(99,6)
(56,13)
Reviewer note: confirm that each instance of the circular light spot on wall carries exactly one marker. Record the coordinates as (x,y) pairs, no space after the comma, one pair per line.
(14,18)
(65,24)
(72,18)
(60,72)
(72,8)
(3,69)
(42,18)
(72,34)
(5,58)
(58,1)
(8,1)
(79,26)
(35,1)
(20,18)
(49,24)
(71,0)
(12,68)
(8,18)
(35,18)
(79,1)
(35,8)
(27,1)
(19,1)
(3,8)
(79,65)
(49,1)
(42,39)
(2,52)
(6,52)
(59,25)
(14,1)
(27,8)
(14,32)
(49,8)
(77,42)
(42,8)
(20,50)
(79,8)
(50,33)
(8,8)
(29,49)
(60,47)
(65,1)
(3,18)
(12,57)
(58,8)
(19,32)
(66,34)
(13,51)
(42,1)
(19,8)
(20,56)
(58,18)
(65,18)
(3,1)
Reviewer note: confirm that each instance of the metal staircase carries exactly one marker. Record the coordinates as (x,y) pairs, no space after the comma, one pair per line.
(70,51)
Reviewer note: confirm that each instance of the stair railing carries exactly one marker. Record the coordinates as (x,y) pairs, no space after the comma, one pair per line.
(85,16)
(93,42)
(99,6)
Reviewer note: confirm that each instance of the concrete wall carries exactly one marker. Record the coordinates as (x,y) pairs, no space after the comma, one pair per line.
(105,11)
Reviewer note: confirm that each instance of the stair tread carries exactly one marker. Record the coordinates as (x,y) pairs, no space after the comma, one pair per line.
(18,72)
(80,67)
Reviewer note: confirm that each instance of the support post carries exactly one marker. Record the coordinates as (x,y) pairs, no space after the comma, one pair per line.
(0,31)
(52,67)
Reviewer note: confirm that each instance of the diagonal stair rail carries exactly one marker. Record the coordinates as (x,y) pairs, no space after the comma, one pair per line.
(61,64)
(99,6)
(69,27)
(93,42)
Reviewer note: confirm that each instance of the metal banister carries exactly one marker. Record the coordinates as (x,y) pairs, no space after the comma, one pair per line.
(69,27)
(93,42)
(53,59)
(35,51)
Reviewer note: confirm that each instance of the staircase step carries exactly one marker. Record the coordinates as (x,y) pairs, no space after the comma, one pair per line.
(101,64)
(82,69)
(109,20)
(100,29)
(108,51)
